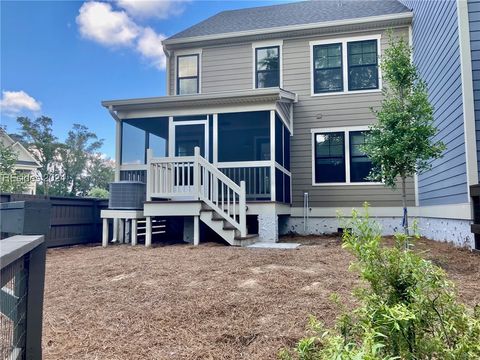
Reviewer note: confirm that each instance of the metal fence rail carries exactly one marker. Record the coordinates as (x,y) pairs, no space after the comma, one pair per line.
(22,274)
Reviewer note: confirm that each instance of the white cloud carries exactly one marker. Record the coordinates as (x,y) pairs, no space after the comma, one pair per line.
(100,22)
(97,21)
(14,102)
(150,46)
(161,9)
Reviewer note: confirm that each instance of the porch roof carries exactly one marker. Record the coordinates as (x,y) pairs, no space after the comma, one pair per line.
(211,99)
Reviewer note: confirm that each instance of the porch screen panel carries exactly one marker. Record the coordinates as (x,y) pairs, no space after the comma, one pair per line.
(279,140)
(133,144)
(140,134)
(244,136)
(286,146)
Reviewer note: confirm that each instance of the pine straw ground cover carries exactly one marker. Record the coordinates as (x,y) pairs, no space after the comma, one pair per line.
(208,302)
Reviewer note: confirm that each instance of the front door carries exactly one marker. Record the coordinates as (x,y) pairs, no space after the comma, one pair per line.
(187,136)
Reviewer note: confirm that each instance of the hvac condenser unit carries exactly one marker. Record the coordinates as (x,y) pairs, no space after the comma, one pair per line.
(127,195)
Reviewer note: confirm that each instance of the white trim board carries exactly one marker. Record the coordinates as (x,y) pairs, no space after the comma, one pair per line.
(453,211)
(467,95)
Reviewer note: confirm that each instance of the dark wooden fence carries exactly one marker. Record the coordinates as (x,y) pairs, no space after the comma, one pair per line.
(475,194)
(73,220)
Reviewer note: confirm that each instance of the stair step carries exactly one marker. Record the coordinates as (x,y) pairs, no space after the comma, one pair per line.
(249,236)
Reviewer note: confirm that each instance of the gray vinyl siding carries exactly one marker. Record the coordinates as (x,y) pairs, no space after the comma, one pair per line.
(437,56)
(328,111)
(474,22)
(229,68)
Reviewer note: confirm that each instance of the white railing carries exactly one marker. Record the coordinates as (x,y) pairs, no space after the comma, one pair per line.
(193,177)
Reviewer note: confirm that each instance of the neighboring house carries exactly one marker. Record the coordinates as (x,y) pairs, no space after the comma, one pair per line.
(26,166)
(446,41)
(277,99)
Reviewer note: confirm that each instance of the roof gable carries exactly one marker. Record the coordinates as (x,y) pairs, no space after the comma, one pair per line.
(291,14)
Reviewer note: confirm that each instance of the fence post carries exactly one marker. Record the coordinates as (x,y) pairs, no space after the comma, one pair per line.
(242,203)
(36,279)
(196,172)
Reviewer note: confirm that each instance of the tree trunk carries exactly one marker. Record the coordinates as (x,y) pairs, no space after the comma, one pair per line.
(405,211)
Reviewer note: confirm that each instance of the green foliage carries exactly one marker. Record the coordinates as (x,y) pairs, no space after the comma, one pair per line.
(37,136)
(8,181)
(98,193)
(400,143)
(408,308)
(68,169)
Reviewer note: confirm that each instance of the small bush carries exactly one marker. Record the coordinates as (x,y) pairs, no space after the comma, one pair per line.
(408,310)
(98,193)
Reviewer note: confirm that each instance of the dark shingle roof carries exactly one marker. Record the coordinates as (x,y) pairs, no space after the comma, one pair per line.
(299,13)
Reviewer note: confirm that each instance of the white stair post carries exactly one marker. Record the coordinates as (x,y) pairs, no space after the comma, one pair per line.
(196,173)
(150,184)
(242,203)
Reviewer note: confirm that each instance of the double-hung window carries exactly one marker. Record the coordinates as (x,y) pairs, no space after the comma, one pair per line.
(345,65)
(188,79)
(267,67)
(362,65)
(327,68)
(338,157)
(329,157)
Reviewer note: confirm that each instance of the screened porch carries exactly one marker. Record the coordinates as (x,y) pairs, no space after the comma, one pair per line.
(250,146)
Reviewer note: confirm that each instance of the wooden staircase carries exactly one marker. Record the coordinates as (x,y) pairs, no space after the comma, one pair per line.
(194,178)
(224,229)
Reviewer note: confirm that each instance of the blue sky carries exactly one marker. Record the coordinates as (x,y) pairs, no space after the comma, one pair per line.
(58,59)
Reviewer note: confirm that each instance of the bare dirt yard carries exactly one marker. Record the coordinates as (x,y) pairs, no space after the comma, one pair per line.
(206,302)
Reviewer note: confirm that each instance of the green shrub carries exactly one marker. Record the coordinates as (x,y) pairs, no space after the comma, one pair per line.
(98,193)
(408,310)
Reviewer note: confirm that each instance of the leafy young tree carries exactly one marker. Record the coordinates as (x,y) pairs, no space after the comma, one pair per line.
(400,144)
(79,146)
(37,136)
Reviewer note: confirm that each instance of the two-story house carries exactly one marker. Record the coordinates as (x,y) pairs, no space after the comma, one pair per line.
(260,130)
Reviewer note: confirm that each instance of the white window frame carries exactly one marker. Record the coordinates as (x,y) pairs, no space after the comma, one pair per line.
(262,44)
(186,53)
(346,131)
(344,42)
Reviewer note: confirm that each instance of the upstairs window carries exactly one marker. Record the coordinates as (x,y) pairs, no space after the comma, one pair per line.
(362,65)
(327,68)
(345,66)
(267,67)
(187,74)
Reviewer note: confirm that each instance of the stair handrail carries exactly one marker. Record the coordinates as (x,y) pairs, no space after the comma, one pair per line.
(203,192)
(240,190)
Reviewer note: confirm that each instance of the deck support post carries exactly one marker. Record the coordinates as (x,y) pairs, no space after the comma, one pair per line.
(105,232)
(115,230)
(148,231)
(121,231)
(134,232)
(128,231)
(196,230)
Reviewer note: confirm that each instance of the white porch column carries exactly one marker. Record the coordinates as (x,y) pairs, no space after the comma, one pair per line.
(148,231)
(134,232)
(196,230)
(105,232)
